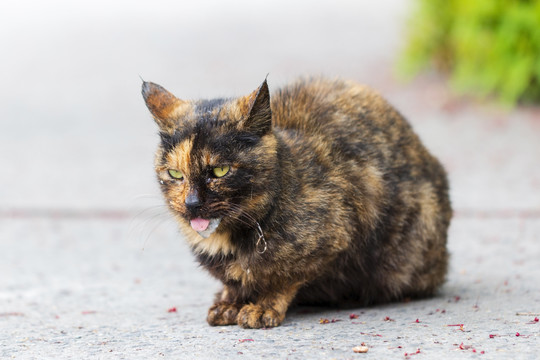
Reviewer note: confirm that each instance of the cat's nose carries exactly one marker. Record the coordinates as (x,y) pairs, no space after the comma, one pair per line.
(193,202)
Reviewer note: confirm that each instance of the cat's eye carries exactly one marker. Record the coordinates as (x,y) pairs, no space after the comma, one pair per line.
(221,171)
(175,174)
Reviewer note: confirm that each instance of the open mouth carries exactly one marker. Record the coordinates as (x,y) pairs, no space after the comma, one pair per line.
(204,227)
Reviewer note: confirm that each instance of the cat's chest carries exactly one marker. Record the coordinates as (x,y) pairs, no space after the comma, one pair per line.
(239,271)
(231,269)
(216,245)
(222,258)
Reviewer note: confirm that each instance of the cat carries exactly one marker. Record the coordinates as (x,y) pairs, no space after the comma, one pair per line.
(319,194)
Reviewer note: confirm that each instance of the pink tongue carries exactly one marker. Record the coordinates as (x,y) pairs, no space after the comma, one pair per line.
(199,224)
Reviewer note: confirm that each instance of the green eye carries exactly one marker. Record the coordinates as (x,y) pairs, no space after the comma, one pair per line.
(175,174)
(221,171)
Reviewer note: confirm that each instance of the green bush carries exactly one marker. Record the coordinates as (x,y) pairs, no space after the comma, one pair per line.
(486,46)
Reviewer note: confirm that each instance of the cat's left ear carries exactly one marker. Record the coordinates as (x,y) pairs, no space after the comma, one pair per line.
(258,117)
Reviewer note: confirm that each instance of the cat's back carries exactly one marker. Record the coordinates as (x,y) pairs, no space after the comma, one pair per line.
(343,112)
(354,120)
(348,131)
(309,105)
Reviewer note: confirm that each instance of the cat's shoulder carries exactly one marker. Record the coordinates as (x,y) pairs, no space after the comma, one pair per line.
(320,102)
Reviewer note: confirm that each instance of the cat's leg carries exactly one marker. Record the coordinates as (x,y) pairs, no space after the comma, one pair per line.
(225,309)
(269,310)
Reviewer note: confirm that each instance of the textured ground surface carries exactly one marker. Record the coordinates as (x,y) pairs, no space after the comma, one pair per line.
(90,267)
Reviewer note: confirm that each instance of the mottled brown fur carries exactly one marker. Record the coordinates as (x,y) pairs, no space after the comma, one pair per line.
(330,197)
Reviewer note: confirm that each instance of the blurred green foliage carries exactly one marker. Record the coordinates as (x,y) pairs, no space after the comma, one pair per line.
(486,46)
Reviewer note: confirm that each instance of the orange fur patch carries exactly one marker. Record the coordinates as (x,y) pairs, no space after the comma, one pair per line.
(180,157)
(236,272)
(164,106)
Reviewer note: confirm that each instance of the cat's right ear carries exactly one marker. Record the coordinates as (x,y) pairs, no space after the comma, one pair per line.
(164,106)
(256,111)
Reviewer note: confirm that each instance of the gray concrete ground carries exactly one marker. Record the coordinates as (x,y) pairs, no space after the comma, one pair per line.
(90,264)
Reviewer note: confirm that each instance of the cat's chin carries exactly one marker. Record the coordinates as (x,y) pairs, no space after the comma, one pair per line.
(212,226)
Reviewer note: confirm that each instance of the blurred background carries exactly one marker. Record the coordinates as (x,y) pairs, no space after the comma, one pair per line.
(485,47)
(74,131)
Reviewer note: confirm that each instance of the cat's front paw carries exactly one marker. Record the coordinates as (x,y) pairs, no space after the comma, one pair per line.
(255,316)
(223,314)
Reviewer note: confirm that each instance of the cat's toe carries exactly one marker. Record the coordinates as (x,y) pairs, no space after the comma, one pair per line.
(249,317)
(254,317)
(222,314)
(272,318)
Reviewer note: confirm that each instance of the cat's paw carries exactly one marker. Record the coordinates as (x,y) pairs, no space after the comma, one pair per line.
(223,314)
(255,316)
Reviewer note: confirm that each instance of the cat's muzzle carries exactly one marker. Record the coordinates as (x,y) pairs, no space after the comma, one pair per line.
(212,226)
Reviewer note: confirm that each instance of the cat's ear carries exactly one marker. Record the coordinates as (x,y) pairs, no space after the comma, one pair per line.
(164,106)
(258,117)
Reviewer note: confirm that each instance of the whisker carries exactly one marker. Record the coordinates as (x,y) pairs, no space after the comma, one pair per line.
(154,228)
(146,196)
(230,209)
(156,215)
(239,213)
(150,211)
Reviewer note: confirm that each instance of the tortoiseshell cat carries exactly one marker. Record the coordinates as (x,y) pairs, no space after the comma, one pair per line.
(320,194)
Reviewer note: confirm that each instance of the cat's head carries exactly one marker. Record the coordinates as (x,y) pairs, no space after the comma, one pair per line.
(217,158)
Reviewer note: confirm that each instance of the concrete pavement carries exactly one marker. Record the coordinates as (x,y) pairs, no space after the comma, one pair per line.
(92,267)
